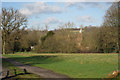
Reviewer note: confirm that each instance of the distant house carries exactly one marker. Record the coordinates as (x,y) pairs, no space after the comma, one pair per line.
(73,30)
(77,30)
(80,30)
(32,47)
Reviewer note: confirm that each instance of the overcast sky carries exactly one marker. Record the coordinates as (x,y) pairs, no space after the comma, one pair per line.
(58,13)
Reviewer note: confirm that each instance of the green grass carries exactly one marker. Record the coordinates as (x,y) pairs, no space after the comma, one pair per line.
(73,65)
(7,65)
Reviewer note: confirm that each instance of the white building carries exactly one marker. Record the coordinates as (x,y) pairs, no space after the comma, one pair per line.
(80,30)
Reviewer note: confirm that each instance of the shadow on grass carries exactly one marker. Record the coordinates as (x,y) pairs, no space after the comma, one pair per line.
(14,76)
(10,71)
(36,59)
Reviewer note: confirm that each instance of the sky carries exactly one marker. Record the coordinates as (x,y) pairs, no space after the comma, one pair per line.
(55,14)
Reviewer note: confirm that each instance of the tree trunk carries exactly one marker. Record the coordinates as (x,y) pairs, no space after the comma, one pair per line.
(0,42)
(3,48)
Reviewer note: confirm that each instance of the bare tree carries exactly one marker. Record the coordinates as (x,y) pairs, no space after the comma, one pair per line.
(109,29)
(12,20)
(111,18)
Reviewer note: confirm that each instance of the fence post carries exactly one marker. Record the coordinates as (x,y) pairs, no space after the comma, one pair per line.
(25,71)
(7,73)
(15,72)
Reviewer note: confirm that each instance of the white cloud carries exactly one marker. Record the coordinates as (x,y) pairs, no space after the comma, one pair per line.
(99,5)
(69,4)
(84,5)
(25,11)
(88,0)
(81,6)
(40,7)
(85,19)
(52,20)
(75,4)
(60,0)
(36,23)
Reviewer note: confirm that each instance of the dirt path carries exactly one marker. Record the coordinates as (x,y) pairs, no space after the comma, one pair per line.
(36,70)
(3,72)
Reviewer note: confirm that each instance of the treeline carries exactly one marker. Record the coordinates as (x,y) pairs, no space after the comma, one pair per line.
(16,38)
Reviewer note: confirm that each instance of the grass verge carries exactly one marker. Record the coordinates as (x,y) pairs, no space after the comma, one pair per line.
(7,66)
(73,65)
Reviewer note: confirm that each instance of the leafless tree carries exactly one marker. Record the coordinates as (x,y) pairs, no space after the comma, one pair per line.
(109,29)
(12,20)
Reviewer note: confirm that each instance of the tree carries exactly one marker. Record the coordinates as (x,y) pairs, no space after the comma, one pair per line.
(50,33)
(109,30)
(0,41)
(12,21)
(91,37)
(111,18)
(0,38)
(30,39)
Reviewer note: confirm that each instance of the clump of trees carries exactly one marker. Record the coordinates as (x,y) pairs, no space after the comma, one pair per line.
(29,39)
(60,41)
(109,30)
(91,40)
(15,38)
(102,39)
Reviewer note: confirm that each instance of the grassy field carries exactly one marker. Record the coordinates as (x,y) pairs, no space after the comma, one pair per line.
(20,73)
(73,65)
